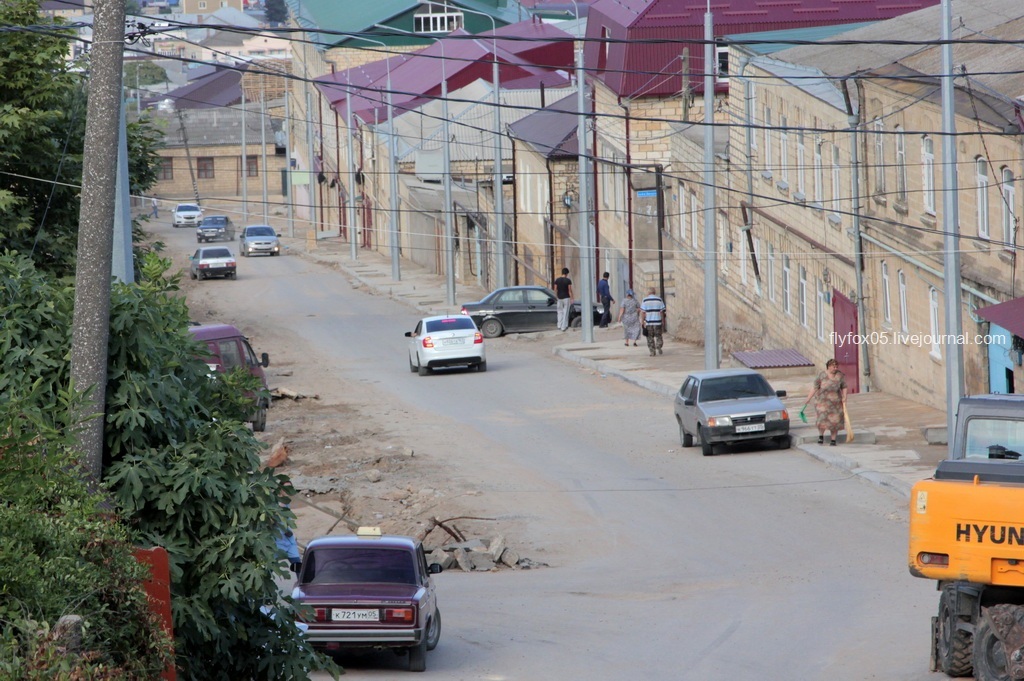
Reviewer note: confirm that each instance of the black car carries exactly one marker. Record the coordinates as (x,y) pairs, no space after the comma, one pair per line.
(521,308)
(215,228)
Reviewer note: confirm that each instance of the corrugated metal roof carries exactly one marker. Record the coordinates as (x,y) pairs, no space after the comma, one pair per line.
(772,359)
(767,42)
(551,131)
(221,88)
(806,78)
(213,127)
(1009,315)
(649,36)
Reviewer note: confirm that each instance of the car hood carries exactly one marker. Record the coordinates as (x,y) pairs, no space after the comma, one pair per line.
(367,591)
(744,405)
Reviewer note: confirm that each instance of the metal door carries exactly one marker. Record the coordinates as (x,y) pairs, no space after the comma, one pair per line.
(844,316)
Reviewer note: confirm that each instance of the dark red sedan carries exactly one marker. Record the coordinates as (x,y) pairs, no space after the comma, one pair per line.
(370,591)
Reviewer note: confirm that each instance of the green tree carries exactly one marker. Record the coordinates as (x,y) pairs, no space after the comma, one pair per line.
(180,462)
(141,73)
(276,12)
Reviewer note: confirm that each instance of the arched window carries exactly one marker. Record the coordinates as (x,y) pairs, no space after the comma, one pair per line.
(1009,193)
(928,174)
(901,165)
(982,196)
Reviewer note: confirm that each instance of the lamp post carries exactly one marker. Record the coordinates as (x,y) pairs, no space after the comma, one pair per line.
(449,231)
(499,192)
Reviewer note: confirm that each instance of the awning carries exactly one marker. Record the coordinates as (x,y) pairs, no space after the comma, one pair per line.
(1009,315)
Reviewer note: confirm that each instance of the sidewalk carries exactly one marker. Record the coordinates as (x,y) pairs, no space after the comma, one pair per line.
(889,449)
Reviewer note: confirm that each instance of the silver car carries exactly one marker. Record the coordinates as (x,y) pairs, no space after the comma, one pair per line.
(725,406)
(445,341)
(259,239)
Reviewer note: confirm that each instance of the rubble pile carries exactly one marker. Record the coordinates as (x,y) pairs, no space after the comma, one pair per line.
(480,555)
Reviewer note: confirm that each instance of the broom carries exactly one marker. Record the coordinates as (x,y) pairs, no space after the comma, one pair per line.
(847,425)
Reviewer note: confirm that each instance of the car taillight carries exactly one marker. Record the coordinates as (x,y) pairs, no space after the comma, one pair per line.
(321,614)
(428,342)
(478,338)
(203,265)
(464,311)
(938,559)
(312,614)
(399,615)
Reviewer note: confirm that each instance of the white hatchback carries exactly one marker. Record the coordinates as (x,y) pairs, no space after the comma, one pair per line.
(445,341)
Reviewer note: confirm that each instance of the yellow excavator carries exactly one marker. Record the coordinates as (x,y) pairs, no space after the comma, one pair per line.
(967,533)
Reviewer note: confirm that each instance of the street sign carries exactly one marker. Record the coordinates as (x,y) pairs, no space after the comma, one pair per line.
(646,193)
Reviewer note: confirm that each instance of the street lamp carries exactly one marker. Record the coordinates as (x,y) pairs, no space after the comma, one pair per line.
(499,193)
(449,231)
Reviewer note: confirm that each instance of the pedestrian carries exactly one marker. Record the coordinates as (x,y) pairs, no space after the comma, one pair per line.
(563,292)
(830,390)
(629,315)
(604,293)
(652,318)
(155,205)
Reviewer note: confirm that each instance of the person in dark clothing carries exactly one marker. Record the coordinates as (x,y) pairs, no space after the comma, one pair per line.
(563,292)
(604,294)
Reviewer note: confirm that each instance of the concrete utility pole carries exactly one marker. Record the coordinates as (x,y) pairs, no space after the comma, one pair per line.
(586,246)
(711,360)
(263,145)
(951,227)
(245,167)
(352,229)
(91,322)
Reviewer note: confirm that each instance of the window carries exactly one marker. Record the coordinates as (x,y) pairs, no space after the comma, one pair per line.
(743,256)
(801,165)
(768,140)
(886,304)
(928,173)
(785,285)
(722,52)
(933,316)
(771,272)
(802,296)
(1009,198)
(437,17)
(901,165)
(752,100)
(202,5)
(982,166)
(694,223)
(783,151)
(879,156)
(723,240)
(602,56)
(252,166)
(682,213)
(204,168)
(904,321)
(819,181)
(822,302)
(837,204)
(166,169)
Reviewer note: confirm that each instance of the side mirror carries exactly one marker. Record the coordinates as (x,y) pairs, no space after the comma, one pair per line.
(435,568)
(551,301)
(780,393)
(689,402)
(408,334)
(278,234)
(264,360)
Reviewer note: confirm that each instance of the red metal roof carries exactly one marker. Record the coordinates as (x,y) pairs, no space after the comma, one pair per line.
(643,65)
(1009,315)
(772,359)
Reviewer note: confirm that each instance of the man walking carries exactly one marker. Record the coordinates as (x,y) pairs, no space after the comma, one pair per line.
(652,316)
(563,292)
(155,206)
(604,294)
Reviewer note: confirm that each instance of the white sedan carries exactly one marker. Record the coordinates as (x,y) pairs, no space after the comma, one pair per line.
(445,341)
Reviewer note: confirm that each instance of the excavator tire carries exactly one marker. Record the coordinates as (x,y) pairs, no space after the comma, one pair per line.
(989,657)
(953,645)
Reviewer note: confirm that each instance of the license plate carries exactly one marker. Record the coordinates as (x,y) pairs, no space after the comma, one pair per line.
(355,615)
(451,341)
(750,428)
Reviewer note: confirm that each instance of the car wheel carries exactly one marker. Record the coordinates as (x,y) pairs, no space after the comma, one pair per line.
(434,631)
(685,439)
(241,252)
(706,448)
(412,367)
(577,322)
(990,661)
(953,645)
(423,370)
(192,274)
(259,424)
(200,276)
(233,275)
(782,442)
(418,658)
(481,367)
(491,328)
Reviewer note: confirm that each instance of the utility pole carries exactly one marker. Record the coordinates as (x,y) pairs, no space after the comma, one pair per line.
(91,321)
(188,156)
(711,359)
(289,186)
(263,146)
(583,221)
(245,163)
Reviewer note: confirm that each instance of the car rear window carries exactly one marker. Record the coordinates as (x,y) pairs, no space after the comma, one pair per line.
(260,231)
(450,323)
(358,565)
(216,253)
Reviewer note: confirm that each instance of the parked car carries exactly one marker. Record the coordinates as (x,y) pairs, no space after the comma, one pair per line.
(215,228)
(522,308)
(725,406)
(259,239)
(187,215)
(445,341)
(229,349)
(369,591)
(212,261)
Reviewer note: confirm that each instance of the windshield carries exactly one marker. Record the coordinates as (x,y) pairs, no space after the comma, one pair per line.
(734,387)
(450,324)
(188,208)
(260,231)
(993,438)
(215,220)
(358,565)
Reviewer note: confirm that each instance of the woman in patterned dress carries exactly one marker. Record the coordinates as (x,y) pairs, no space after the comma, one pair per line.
(629,315)
(830,389)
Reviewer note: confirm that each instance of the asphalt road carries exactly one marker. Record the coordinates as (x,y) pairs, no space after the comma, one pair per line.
(663,564)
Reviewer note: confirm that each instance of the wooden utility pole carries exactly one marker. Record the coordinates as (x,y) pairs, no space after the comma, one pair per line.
(91,321)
